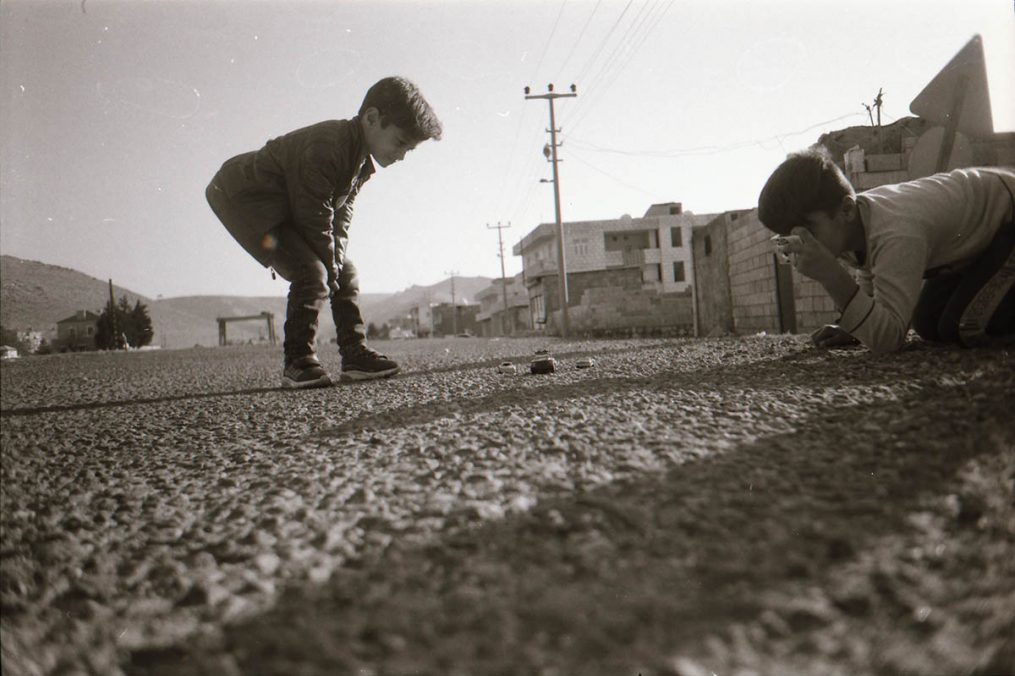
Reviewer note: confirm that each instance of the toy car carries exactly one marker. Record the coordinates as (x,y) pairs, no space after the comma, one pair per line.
(543,364)
(507,367)
(585,363)
(783,243)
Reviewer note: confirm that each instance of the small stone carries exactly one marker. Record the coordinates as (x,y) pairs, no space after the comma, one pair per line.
(267,563)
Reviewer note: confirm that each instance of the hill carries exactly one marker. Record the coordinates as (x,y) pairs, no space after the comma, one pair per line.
(398,304)
(36,295)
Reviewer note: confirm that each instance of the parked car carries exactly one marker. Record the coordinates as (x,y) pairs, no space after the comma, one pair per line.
(543,364)
(585,363)
(507,367)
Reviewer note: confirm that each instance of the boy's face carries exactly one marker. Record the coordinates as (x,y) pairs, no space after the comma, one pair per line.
(386,145)
(833,231)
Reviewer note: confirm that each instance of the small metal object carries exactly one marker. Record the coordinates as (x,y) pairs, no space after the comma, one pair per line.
(782,243)
(543,365)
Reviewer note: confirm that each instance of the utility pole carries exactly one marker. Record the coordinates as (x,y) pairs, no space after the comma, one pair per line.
(878,102)
(503,276)
(551,156)
(454,307)
(114,327)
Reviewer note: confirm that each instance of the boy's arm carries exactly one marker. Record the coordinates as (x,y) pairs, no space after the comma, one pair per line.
(340,230)
(311,198)
(882,320)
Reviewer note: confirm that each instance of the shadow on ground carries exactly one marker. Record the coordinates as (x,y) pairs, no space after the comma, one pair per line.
(636,576)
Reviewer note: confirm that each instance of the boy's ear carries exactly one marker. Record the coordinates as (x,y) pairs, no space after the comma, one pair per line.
(848,207)
(372,116)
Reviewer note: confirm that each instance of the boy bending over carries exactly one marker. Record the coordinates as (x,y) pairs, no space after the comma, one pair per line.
(936,253)
(289,205)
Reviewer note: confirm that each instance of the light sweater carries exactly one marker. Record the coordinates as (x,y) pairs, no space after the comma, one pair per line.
(940,221)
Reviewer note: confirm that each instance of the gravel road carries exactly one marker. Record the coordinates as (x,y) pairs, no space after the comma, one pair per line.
(738,506)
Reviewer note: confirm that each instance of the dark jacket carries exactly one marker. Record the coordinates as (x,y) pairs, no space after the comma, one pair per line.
(307,179)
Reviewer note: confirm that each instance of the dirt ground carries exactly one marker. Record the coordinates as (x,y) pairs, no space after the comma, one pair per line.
(685,507)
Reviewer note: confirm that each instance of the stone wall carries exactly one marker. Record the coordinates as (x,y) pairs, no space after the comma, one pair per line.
(614,302)
(752,298)
(712,275)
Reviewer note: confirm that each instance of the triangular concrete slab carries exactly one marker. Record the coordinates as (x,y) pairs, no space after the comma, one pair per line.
(937,100)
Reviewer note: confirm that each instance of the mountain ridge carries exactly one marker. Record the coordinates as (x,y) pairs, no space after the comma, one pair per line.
(35,295)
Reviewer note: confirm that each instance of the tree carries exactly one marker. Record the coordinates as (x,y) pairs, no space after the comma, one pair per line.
(10,338)
(133,326)
(141,325)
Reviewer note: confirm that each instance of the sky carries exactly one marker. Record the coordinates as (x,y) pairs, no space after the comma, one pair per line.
(116,114)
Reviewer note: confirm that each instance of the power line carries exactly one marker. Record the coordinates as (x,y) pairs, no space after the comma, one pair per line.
(546,47)
(624,55)
(609,175)
(581,34)
(595,54)
(704,150)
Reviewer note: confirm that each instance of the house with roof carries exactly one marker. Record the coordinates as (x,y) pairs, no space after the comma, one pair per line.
(77,332)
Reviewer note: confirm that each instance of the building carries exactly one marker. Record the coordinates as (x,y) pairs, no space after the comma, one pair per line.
(421,320)
(492,316)
(77,332)
(907,149)
(625,276)
(744,288)
(454,319)
(30,340)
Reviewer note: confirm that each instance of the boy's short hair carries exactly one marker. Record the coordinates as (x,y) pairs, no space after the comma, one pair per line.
(806,181)
(400,103)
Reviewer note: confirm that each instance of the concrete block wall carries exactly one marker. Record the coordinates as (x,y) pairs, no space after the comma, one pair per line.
(615,303)
(712,275)
(752,275)
(814,307)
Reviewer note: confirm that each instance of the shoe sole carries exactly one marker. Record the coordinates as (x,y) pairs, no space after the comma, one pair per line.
(323,381)
(369,375)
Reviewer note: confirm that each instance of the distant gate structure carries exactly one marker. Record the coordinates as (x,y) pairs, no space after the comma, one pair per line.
(269,317)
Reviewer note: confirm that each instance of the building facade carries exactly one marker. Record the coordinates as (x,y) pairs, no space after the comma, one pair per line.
(77,332)
(493,318)
(744,288)
(656,246)
(454,319)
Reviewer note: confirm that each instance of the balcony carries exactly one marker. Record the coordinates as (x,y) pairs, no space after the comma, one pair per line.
(540,269)
(634,258)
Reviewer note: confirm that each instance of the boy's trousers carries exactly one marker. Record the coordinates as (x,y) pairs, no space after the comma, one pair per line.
(974,303)
(284,250)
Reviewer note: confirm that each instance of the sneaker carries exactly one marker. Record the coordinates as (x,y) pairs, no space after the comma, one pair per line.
(304,373)
(362,363)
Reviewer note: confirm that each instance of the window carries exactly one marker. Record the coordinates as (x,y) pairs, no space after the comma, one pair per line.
(676,238)
(538,310)
(708,245)
(678,271)
(91,329)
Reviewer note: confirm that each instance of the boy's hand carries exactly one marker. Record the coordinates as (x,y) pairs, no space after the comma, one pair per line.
(830,335)
(810,257)
(332,288)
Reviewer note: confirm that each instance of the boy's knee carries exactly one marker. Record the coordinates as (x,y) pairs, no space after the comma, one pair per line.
(310,279)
